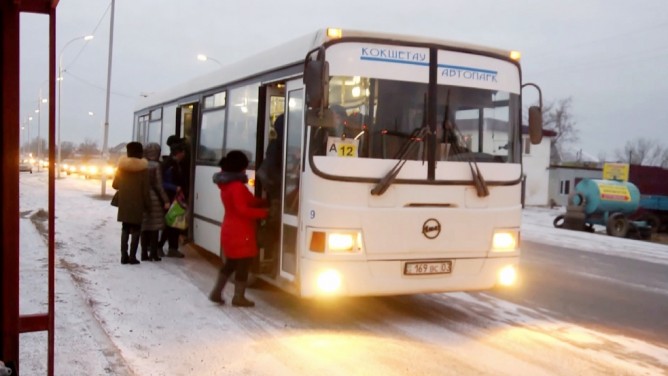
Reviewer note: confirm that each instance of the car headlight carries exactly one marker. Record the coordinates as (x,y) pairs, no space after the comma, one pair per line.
(336,241)
(505,240)
(109,170)
(92,169)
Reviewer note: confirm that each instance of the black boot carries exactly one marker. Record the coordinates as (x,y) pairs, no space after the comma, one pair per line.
(134,244)
(239,299)
(144,255)
(173,252)
(216,294)
(153,246)
(153,255)
(144,244)
(124,247)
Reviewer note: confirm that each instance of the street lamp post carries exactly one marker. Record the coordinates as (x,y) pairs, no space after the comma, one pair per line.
(202,57)
(60,80)
(39,126)
(29,148)
(105,139)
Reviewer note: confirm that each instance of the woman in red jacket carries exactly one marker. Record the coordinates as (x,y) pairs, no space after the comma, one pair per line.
(237,233)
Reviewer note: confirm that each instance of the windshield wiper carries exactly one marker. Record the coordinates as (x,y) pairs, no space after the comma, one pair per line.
(384,183)
(452,134)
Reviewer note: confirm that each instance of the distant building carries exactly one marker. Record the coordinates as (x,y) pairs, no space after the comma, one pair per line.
(570,166)
(564,178)
(535,165)
(117,151)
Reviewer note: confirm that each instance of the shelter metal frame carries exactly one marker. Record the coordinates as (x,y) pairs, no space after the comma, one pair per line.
(12,324)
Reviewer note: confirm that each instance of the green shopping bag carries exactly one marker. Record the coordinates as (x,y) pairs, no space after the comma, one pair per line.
(176,216)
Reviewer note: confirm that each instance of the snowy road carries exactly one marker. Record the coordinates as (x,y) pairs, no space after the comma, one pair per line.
(154,319)
(610,292)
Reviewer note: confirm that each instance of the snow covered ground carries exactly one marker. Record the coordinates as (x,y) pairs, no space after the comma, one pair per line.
(155,319)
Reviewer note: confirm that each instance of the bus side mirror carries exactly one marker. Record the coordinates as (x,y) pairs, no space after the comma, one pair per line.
(535,125)
(316,79)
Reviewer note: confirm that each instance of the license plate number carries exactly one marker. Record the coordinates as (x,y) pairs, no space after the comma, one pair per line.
(428,267)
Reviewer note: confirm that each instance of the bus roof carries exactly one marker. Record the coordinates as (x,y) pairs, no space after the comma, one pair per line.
(285,55)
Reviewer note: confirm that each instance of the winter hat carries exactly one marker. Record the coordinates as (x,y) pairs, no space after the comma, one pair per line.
(152,151)
(173,139)
(134,149)
(234,161)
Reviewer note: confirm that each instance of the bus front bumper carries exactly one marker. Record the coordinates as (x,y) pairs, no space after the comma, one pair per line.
(374,278)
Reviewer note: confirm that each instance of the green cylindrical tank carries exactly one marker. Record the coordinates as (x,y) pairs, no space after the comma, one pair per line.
(602,196)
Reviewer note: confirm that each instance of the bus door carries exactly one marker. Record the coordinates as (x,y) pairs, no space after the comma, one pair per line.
(186,128)
(272,97)
(292,155)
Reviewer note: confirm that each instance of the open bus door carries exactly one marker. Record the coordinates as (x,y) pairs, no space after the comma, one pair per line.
(292,162)
(283,104)
(186,128)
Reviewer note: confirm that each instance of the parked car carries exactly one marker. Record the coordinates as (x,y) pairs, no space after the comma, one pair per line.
(96,168)
(25,166)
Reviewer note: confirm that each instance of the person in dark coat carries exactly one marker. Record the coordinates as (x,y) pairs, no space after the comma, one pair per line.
(271,171)
(131,181)
(173,183)
(237,233)
(154,219)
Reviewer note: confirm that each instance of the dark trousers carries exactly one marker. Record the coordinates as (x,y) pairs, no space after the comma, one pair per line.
(130,232)
(149,241)
(170,235)
(239,267)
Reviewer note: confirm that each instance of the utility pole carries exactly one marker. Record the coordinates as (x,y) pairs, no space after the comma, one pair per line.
(105,147)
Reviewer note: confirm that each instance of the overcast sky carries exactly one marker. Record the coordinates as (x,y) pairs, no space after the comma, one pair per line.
(609,56)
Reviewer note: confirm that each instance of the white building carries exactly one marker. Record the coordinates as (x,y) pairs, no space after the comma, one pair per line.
(536,168)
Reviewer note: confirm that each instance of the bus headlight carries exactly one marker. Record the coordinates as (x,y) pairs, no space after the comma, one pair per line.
(507,276)
(336,241)
(329,281)
(505,240)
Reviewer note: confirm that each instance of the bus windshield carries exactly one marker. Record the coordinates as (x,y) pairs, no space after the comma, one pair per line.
(386,119)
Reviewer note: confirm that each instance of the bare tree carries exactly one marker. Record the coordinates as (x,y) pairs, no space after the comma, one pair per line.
(557,117)
(88,148)
(67,149)
(643,151)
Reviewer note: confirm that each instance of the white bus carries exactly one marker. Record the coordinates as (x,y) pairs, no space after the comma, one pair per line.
(401,160)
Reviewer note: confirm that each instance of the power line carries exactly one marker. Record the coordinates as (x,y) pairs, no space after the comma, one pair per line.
(99,87)
(83,47)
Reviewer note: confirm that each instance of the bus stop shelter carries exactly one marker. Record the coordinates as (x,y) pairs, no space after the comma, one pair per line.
(12,324)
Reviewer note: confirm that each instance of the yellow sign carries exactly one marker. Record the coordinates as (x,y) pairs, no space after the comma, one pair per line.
(614,192)
(340,147)
(616,171)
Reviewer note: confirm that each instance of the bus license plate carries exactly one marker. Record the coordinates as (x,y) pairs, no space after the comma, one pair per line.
(430,267)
